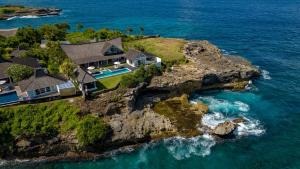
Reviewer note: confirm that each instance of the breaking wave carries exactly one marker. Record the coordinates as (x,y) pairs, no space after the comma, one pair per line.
(266,75)
(224,110)
(221,110)
(181,148)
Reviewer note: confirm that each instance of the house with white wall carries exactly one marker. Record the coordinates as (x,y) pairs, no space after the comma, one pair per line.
(135,58)
(41,85)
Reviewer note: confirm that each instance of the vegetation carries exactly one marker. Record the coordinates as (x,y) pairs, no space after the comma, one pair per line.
(169,50)
(182,114)
(91,130)
(68,68)
(142,74)
(19,72)
(47,120)
(110,82)
(9,9)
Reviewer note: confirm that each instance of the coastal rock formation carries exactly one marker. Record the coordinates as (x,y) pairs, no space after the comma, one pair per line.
(19,11)
(156,110)
(224,129)
(207,66)
(138,125)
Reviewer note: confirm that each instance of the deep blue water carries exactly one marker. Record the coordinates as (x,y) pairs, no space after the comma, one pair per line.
(267,32)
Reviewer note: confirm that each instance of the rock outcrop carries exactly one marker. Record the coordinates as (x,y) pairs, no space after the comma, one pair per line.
(158,109)
(207,66)
(27,11)
(224,129)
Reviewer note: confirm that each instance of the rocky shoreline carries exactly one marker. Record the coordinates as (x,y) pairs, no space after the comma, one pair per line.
(28,11)
(134,114)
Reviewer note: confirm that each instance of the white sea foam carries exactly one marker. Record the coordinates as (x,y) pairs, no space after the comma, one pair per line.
(224,106)
(182,148)
(29,17)
(15,17)
(250,127)
(224,110)
(266,75)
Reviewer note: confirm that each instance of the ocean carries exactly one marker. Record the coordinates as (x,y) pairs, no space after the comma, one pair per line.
(266,32)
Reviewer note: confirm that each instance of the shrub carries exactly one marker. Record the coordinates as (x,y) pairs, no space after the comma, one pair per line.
(19,72)
(142,74)
(90,130)
(45,120)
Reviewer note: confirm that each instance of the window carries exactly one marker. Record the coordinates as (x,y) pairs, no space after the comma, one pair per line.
(48,89)
(42,90)
(37,92)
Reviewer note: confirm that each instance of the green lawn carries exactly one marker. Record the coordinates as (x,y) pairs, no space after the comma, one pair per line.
(109,82)
(168,49)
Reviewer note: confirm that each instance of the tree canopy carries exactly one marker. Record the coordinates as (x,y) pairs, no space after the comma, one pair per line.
(19,72)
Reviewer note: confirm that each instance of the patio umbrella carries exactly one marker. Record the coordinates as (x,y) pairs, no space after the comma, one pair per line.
(2,82)
(117,63)
(91,68)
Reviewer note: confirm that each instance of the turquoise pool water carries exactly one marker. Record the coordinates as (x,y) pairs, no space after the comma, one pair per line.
(8,98)
(110,73)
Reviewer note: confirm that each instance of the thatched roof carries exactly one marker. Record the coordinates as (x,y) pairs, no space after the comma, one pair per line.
(3,67)
(84,77)
(39,80)
(90,52)
(132,54)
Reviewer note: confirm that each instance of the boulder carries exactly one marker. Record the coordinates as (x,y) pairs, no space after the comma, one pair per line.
(23,143)
(224,129)
(239,120)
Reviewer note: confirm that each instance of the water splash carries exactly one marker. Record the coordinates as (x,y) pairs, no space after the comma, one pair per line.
(266,75)
(181,148)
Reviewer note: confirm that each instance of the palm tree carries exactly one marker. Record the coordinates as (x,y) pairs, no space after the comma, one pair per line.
(129,30)
(79,27)
(142,30)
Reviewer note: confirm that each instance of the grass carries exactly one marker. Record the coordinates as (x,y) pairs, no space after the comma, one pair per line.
(168,49)
(109,82)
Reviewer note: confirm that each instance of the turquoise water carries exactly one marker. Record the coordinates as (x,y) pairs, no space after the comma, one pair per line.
(110,73)
(265,32)
(8,98)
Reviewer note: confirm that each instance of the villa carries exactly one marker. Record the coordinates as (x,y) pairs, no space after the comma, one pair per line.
(41,85)
(87,83)
(136,58)
(96,54)
(104,53)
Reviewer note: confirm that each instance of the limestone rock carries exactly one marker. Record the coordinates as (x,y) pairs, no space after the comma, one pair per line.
(224,129)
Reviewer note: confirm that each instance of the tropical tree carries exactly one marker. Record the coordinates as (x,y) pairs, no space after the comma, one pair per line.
(129,30)
(142,30)
(19,72)
(53,32)
(28,35)
(79,27)
(67,68)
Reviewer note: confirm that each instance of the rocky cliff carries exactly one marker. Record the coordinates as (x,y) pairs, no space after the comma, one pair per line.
(134,115)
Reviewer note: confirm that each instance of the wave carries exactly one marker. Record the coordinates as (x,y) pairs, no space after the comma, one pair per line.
(224,106)
(249,127)
(266,75)
(227,53)
(181,148)
(29,17)
(224,110)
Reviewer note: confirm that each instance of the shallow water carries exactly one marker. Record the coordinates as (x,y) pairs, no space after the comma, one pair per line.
(265,32)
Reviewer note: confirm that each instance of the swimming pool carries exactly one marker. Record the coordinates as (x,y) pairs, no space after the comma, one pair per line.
(110,73)
(8,98)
